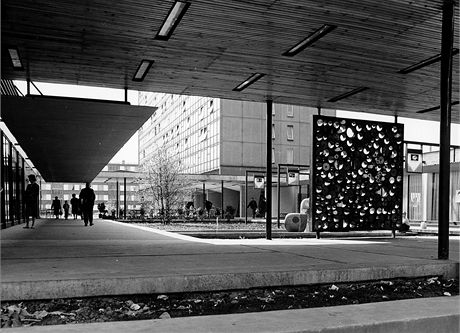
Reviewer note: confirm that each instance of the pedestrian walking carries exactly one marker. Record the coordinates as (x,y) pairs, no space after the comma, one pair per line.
(253,205)
(87,198)
(75,203)
(66,207)
(56,207)
(31,200)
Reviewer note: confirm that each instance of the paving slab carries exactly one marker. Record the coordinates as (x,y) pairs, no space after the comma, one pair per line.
(63,258)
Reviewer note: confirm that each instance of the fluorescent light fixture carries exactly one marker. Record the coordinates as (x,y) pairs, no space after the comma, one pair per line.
(142,70)
(175,14)
(425,63)
(436,108)
(250,80)
(15,58)
(321,32)
(347,94)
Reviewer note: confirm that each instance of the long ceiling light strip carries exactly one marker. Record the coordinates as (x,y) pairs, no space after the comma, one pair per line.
(142,70)
(15,58)
(434,108)
(424,63)
(250,80)
(319,33)
(175,14)
(347,94)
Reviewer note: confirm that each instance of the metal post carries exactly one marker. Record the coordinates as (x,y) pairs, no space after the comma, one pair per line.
(204,197)
(222,197)
(246,199)
(278,199)
(126,94)
(118,198)
(444,152)
(124,198)
(269,171)
(408,197)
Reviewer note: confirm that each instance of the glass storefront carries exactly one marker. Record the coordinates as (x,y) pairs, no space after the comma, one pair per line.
(14,171)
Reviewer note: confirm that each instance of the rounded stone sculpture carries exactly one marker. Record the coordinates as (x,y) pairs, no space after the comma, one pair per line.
(295,222)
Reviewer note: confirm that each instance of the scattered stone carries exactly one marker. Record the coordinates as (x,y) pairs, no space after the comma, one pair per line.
(135,307)
(162,297)
(334,288)
(165,315)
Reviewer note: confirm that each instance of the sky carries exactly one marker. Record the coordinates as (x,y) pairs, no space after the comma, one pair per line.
(414,129)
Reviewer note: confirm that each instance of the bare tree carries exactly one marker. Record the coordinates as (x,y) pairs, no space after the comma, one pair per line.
(163,185)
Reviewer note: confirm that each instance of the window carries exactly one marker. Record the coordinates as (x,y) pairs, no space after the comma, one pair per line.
(77,187)
(290,132)
(273,132)
(47,186)
(67,187)
(273,155)
(290,111)
(290,156)
(203,134)
(47,196)
(105,197)
(105,187)
(66,197)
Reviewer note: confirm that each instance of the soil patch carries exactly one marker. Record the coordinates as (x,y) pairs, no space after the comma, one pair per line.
(154,306)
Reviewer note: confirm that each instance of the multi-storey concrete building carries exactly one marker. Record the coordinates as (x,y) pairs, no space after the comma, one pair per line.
(225,137)
(115,186)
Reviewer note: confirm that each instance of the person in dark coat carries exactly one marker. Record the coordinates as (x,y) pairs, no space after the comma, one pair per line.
(262,205)
(75,203)
(66,207)
(253,205)
(87,198)
(208,206)
(31,200)
(56,207)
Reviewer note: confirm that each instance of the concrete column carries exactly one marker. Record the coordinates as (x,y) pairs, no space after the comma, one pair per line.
(444,142)
(268,173)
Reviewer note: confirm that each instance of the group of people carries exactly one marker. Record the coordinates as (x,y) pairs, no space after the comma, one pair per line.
(257,210)
(80,206)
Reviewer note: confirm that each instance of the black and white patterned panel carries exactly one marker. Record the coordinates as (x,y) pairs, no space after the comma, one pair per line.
(357,174)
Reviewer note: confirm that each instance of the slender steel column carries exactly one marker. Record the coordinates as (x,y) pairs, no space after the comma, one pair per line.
(222,197)
(124,198)
(246,198)
(118,200)
(444,156)
(204,197)
(278,199)
(269,171)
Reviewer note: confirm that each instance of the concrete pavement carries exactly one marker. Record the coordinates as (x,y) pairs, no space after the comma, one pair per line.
(62,258)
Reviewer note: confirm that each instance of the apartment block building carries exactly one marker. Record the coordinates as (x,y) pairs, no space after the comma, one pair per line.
(226,137)
(105,186)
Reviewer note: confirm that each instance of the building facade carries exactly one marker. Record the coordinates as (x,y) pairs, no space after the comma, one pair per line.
(115,186)
(226,137)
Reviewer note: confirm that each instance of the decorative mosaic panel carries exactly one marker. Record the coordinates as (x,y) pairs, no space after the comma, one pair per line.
(357,174)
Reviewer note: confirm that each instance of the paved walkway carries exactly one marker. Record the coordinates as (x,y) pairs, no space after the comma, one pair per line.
(62,258)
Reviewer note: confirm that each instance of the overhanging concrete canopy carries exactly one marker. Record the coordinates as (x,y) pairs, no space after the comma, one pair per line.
(71,140)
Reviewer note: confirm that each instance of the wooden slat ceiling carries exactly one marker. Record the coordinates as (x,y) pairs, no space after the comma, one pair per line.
(220,43)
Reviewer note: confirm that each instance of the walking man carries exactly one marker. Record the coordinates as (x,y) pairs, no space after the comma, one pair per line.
(31,199)
(87,198)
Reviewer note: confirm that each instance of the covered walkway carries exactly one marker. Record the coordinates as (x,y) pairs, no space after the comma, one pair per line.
(63,258)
